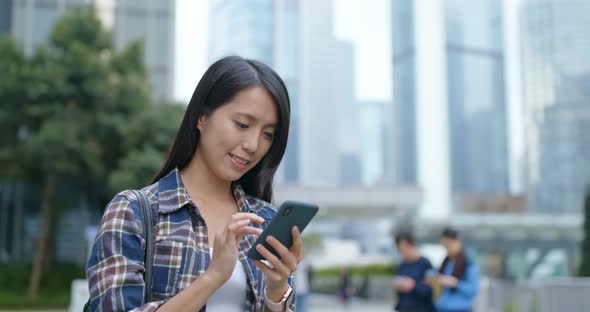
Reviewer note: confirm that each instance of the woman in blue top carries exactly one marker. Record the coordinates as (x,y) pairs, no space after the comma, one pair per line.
(459,276)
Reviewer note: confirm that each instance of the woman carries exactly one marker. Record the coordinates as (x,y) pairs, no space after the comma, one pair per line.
(459,276)
(211,199)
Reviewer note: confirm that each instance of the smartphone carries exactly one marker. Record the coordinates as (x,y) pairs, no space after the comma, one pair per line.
(431,273)
(291,213)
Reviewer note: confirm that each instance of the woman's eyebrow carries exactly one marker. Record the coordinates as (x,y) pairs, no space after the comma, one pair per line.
(253,118)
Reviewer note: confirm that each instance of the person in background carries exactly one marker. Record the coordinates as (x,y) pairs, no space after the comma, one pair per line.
(414,295)
(303,284)
(344,287)
(459,276)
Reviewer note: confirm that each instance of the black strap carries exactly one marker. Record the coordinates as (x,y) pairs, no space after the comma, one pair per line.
(148,233)
(145,211)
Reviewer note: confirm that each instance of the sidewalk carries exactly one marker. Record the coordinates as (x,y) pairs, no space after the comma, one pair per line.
(318,303)
(327,303)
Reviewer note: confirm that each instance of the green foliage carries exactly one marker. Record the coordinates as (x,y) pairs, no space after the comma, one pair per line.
(79,108)
(45,300)
(377,269)
(15,277)
(512,307)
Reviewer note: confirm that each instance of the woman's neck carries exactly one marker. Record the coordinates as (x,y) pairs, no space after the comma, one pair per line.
(202,184)
(455,255)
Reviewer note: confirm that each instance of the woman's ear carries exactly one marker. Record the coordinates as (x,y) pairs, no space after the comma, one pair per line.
(201,122)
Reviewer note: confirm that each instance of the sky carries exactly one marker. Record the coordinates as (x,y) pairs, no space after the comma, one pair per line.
(191,46)
(366,26)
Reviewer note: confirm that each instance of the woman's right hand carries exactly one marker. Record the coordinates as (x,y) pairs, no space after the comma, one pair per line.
(225,249)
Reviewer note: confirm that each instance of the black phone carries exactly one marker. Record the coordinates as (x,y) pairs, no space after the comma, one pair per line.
(290,214)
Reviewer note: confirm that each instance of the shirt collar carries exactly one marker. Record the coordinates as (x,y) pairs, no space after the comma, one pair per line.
(172,195)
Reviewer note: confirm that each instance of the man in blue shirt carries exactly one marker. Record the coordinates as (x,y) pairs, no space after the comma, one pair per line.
(413,294)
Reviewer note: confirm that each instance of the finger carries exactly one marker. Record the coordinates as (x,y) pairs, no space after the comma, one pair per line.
(287,257)
(248,230)
(274,261)
(270,273)
(234,226)
(296,247)
(247,215)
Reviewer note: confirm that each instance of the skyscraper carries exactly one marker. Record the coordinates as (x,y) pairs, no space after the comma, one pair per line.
(476,97)
(449,100)
(564,158)
(319,149)
(242,27)
(153,21)
(403,162)
(5,16)
(556,71)
(347,117)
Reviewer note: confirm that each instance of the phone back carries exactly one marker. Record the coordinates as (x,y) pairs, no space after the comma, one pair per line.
(291,213)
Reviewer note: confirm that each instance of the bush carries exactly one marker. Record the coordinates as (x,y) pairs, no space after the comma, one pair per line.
(44,301)
(15,277)
(377,269)
(326,280)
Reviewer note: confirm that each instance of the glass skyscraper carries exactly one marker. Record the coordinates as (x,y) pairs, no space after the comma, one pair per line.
(403,165)
(476,97)
(468,56)
(5,16)
(556,79)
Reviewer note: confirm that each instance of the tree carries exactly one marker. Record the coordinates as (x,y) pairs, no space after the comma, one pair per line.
(585,265)
(79,110)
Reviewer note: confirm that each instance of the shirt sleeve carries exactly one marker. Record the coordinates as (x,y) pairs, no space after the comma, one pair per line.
(470,285)
(116,265)
(422,289)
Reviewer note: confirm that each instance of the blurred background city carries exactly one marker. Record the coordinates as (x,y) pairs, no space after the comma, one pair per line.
(405,114)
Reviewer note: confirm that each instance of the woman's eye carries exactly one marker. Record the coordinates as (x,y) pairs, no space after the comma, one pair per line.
(269,136)
(241,125)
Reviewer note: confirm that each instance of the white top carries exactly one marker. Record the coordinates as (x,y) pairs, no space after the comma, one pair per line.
(301,277)
(230,296)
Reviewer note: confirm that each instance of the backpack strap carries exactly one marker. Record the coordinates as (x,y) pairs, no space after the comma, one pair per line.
(147,220)
(148,232)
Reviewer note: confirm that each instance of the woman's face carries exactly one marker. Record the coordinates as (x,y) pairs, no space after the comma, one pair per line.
(453,246)
(237,135)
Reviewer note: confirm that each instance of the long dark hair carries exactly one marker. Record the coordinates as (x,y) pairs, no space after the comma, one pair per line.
(461,260)
(220,83)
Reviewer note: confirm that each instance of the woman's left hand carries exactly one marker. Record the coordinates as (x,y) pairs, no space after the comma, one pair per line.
(277,273)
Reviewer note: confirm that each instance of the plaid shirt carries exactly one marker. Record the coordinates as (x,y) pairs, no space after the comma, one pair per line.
(181,252)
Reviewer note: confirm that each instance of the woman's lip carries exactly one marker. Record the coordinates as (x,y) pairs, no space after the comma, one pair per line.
(237,164)
(241,158)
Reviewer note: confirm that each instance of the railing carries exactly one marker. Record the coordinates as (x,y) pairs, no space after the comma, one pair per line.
(551,295)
